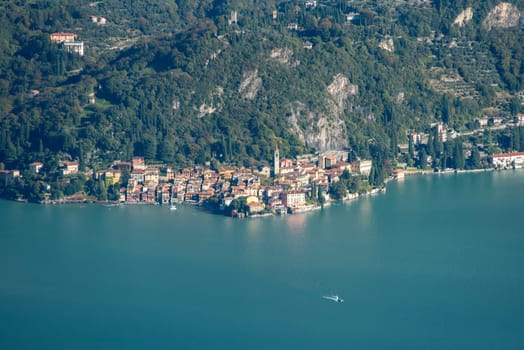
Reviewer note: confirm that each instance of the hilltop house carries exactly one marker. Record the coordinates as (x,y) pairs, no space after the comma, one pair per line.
(69,168)
(68,41)
(35,167)
(62,37)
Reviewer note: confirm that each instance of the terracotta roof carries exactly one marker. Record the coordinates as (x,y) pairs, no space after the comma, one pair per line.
(511,154)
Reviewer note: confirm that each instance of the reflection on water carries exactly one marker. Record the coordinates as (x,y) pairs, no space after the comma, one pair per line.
(296,223)
(365,214)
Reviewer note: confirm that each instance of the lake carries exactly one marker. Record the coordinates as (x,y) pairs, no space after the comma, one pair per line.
(434,263)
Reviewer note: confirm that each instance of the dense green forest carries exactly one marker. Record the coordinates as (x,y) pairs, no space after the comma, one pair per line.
(187,82)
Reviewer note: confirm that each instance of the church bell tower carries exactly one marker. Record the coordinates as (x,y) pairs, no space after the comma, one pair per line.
(276,161)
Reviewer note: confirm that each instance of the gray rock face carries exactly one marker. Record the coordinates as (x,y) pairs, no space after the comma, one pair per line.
(282,55)
(464,17)
(250,85)
(324,130)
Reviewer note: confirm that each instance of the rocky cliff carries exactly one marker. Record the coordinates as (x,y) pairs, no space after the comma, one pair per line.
(250,85)
(464,17)
(504,15)
(324,130)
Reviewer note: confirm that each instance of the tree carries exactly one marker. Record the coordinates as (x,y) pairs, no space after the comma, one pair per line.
(422,158)
(458,155)
(113,192)
(150,147)
(376,176)
(337,190)
(474,159)
(321,198)
(238,205)
(411,148)
(101,190)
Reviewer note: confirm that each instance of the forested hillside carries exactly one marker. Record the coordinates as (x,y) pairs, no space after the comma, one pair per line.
(186,82)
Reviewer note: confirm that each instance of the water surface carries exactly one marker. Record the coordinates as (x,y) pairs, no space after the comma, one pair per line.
(435,263)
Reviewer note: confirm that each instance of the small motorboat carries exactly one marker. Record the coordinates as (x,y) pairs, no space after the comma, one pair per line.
(334,298)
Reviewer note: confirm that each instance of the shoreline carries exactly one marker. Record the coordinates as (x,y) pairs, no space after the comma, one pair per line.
(75,199)
(449,171)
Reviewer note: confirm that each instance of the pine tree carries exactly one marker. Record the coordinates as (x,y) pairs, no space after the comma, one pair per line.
(458,155)
(474,159)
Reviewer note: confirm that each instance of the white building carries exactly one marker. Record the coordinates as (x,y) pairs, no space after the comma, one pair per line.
(508,160)
(76,47)
(362,167)
(69,168)
(520,119)
(293,198)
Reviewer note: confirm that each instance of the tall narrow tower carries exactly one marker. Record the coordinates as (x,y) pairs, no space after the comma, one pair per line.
(276,165)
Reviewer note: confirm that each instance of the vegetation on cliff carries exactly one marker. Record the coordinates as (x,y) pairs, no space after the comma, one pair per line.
(188,82)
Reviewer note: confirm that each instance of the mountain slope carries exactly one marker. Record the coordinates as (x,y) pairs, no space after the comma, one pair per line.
(226,81)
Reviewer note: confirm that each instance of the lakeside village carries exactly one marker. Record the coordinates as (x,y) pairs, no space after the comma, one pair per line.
(290,186)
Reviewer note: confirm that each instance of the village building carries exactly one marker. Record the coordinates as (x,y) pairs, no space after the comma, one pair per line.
(138,176)
(272,192)
(76,47)
(508,160)
(35,167)
(138,163)
(8,177)
(308,45)
(68,42)
(442,132)
(263,171)
(496,120)
(329,161)
(109,176)
(344,166)
(252,199)
(170,174)
(123,166)
(482,121)
(62,37)
(69,168)
(152,175)
(256,207)
(99,20)
(293,198)
(398,174)
(163,193)
(362,167)
(204,195)
(519,119)
(148,194)
(226,172)
(352,16)
(311,4)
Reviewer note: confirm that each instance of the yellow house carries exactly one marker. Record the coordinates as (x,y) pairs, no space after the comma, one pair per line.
(111,177)
(252,199)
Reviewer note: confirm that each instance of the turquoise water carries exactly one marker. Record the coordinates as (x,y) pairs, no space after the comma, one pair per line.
(436,263)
